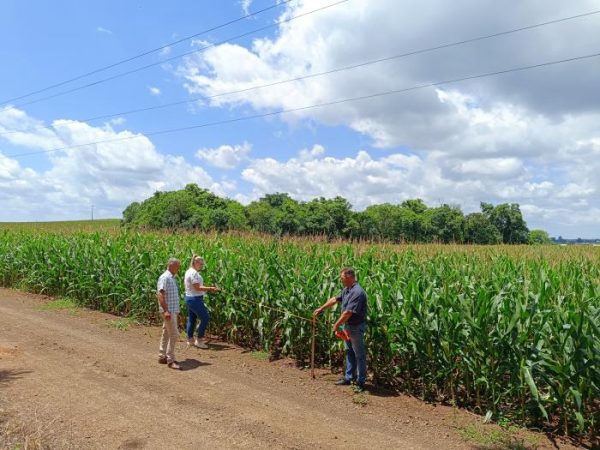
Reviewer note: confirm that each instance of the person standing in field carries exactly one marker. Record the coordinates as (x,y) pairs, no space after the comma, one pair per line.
(168,300)
(354,315)
(195,293)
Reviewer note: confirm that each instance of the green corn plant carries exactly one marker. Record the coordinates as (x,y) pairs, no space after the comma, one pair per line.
(506,331)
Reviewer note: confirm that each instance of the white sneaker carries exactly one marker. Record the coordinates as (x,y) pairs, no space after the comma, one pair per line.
(200,343)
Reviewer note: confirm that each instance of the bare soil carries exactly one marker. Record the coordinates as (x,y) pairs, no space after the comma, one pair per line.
(71,379)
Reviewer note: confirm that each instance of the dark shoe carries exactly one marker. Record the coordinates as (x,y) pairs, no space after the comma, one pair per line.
(343,382)
(162,359)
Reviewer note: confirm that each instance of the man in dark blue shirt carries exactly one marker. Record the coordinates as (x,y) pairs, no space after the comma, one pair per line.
(354,315)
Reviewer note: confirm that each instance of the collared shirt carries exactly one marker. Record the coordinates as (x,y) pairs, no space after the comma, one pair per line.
(192,276)
(168,284)
(354,299)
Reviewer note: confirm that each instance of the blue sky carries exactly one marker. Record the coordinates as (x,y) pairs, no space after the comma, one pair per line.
(529,137)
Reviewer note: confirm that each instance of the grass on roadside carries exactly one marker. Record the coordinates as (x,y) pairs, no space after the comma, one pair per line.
(61,303)
(15,435)
(361,398)
(123,323)
(489,437)
(260,355)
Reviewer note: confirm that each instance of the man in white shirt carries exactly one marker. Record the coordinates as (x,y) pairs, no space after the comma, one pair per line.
(168,299)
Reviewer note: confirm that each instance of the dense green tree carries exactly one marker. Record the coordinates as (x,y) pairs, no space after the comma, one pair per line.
(415,227)
(479,230)
(361,226)
(416,205)
(329,217)
(446,224)
(131,212)
(507,218)
(539,237)
(276,214)
(262,217)
(386,222)
(279,214)
(397,223)
(191,207)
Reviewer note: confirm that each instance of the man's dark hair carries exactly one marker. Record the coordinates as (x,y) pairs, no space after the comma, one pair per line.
(349,271)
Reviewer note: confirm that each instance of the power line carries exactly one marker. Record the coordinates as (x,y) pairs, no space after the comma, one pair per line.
(129,72)
(148,52)
(318,105)
(318,74)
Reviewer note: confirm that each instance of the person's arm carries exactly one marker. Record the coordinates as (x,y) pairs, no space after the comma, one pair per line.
(200,287)
(328,304)
(163,304)
(342,320)
(198,284)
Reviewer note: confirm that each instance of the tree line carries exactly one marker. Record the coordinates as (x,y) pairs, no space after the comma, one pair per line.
(279,214)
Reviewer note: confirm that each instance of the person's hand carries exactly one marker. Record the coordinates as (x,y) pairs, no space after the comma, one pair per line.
(317,312)
(216,289)
(167,315)
(335,327)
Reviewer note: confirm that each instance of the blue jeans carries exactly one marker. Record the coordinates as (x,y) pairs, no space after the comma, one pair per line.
(196,310)
(356,353)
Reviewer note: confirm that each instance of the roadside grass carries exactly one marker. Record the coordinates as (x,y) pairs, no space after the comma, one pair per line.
(361,398)
(15,435)
(260,355)
(488,437)
(123,323)
(60,303)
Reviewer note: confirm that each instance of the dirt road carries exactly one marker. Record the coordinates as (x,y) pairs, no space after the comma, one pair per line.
(68,379)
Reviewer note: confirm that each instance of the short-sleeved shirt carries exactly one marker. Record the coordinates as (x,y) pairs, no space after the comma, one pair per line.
(354,299)
(192,276)
(168,284)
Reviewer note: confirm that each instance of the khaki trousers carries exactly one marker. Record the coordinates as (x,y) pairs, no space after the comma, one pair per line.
(170,336)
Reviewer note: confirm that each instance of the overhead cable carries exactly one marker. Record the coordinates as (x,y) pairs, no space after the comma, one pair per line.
(316,74)
(148,52)
(318,105)
(147,66)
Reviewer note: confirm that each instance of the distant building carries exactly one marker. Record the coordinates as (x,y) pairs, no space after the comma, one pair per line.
(578,241)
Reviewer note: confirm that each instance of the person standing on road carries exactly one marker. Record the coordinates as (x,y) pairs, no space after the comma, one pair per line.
(195,292)
(354,315)
(168,300)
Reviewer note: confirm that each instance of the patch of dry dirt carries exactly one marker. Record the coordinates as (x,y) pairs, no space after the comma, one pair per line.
(70,380)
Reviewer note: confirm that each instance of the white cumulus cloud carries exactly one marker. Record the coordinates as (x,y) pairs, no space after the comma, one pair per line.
(225,156)
(121,168)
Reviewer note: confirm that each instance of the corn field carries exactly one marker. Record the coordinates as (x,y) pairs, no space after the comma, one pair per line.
(512,332)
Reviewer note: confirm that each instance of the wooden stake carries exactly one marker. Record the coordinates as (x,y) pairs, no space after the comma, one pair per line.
(312,353)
